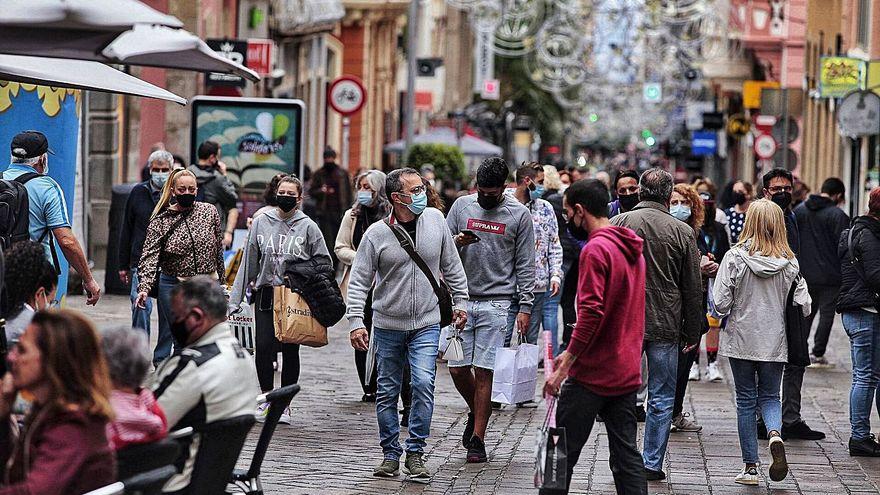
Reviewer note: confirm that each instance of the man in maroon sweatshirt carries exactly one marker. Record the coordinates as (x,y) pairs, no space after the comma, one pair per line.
(602,361)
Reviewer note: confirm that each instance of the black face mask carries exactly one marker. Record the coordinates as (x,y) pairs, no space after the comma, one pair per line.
(739,198)
(782,199)
(628,201)
(287,203)
(577,231)
(179,332)
(488,202)
(186,200)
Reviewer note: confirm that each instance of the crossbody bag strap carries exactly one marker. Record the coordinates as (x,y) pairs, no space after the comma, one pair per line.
(407,246)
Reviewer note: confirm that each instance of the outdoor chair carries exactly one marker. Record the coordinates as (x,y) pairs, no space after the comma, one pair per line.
(137,459)
(147,483)
(249,481)
(220,444)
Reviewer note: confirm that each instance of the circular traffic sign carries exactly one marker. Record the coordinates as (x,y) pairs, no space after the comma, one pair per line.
(765,146)
(347,95)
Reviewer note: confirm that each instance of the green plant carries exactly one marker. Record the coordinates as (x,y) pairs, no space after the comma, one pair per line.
(448,160)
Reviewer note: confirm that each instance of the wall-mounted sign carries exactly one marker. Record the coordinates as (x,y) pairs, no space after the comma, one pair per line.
(235,50)
(704,143)
(652,92)
(765,146)
(752,92)
(840,75)
(859,114)
(491,89)
(260,55)
(347,95)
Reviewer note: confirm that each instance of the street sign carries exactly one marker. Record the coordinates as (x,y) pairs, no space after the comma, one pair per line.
(260,55)
(652,92)
(704,143)
(738,126)
(778,131)
(347,95)
(779,159)
(491,89)
(751,94)
(765,146)
(713,120)
(840,75)
(235,50)
(859,114)
(694,114)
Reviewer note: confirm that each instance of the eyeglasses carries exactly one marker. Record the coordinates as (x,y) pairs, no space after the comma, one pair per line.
(417,190)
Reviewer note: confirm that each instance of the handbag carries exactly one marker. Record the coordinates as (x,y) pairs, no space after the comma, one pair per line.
(441,290)
(454,350)
(154,289)
(551,454)
(796,330)
(294,323)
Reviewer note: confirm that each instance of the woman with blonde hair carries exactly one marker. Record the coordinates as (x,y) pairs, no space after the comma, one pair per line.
(59,363)
(751,289)
(552,181)
(184,239)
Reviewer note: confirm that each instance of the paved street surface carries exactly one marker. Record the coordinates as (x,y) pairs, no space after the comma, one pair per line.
(333,444)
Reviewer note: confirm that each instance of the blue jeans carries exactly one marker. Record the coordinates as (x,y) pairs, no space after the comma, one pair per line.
(140,318)
(550,317)
(662,374)
(757,387)
(163,345)
(534,322)
(419,347)
(863,328)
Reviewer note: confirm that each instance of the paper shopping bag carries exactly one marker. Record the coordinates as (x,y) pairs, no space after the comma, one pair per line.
(294,323)
(551,457)
(516,374)
(244,327)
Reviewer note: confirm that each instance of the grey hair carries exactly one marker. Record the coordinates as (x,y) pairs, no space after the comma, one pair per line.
(656,185)
(202,292)
(376,180)
(161,156)
(128,355)
(392,181)
(26,161)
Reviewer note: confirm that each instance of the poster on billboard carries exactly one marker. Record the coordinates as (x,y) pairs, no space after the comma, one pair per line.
(258,138)
(840,75)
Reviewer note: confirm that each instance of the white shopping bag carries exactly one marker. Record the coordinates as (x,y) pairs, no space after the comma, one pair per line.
(454,350)
(243,326)
(516,373)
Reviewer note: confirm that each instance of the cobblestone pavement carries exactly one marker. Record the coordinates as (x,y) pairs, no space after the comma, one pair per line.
(332,445)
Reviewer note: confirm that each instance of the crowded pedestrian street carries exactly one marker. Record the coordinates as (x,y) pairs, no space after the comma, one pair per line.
(329,446)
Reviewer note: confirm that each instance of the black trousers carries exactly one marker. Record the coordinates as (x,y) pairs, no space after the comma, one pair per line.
(267,346)
(824,298)
(685,361)
(576,411)
(568,302)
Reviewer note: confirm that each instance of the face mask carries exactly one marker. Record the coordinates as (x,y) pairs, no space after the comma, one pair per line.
(180,332)
(186,200)
(47,303)
(488,202)
(537,192)
(365,198)
(287,203)
(739,198)
(628,201)
(680,212)
(782,199)
(159,178)
(419,203)
(576,231)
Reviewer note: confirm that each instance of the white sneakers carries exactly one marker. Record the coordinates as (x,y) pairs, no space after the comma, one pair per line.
(261,412)
(694,375)
(779,465)
(285,417)
(714,374)
(748,476)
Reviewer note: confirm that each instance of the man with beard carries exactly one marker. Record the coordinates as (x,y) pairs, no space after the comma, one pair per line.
(331,191)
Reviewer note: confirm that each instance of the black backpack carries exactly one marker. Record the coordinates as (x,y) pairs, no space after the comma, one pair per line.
(14,210)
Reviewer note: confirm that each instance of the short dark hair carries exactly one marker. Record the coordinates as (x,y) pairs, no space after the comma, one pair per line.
(625,173)
(493,172)
(655,185)
(527,170)
(27,269)
(592,194)
(203,292)
(329,152)
(774,173)
(832,186)
(270,194)
(208,148)
(392,180)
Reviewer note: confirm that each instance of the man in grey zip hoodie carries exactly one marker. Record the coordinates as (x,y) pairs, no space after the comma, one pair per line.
(406,313)
(496,241)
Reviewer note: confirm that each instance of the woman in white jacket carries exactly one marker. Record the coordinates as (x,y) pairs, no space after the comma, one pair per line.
(751,287)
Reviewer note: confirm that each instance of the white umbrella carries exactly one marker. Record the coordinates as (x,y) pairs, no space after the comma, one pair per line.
(98,15)
(78,74)
(159,46)
(470,145)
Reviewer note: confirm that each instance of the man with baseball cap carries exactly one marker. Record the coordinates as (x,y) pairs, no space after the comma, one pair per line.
(48,210)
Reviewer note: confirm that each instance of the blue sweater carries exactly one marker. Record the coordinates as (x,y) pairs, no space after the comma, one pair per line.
(138,209)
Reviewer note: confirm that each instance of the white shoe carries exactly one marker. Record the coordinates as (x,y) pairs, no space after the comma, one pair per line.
(748,476)
(779,467)
(714,374)
(694,375)
(261,412)
(285,417)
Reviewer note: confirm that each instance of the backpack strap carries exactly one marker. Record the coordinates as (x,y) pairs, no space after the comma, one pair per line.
(24,179)
(406,243)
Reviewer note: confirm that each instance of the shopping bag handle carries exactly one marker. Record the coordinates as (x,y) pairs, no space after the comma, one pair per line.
(551,410)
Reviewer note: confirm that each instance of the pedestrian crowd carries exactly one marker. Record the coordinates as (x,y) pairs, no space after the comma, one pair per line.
(645,272)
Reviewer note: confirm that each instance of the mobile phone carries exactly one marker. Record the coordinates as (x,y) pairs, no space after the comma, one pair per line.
(470,233)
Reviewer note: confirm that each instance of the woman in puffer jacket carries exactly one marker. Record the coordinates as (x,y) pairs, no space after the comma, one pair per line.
(751,288)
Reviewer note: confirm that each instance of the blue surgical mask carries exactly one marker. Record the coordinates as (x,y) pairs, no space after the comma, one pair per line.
(537,192)
(419,203)
(159,178)
(680,212)
(365,198)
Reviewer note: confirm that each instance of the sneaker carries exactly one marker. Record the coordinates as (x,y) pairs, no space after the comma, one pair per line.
(864,448)
(529,404)
(640,414)
(652,475)
(714,374)
(415,468)
(476,451)
(261,412)
(779,465)
(694,375)
(388,469)
(682,423)
(404,417)
(285,418)
(468,431)
(748,476)
(800,431)
(819,362)
(368,398)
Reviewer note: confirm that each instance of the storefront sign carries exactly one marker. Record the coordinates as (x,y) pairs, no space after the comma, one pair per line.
(235,50)
(840,75)
(752,92)
(260,56)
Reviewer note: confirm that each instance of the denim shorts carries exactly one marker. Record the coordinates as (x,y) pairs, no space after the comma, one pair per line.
(483,334)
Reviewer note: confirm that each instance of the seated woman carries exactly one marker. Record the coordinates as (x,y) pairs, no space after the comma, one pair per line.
(33,277)
(59,362)
(137,417)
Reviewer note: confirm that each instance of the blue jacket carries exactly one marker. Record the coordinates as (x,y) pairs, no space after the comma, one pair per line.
(138,209)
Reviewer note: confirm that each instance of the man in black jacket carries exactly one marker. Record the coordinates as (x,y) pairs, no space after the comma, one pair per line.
(821,222)
(138,209)
(858,305)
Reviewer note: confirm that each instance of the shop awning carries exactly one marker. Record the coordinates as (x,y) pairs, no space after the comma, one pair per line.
(470,145)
